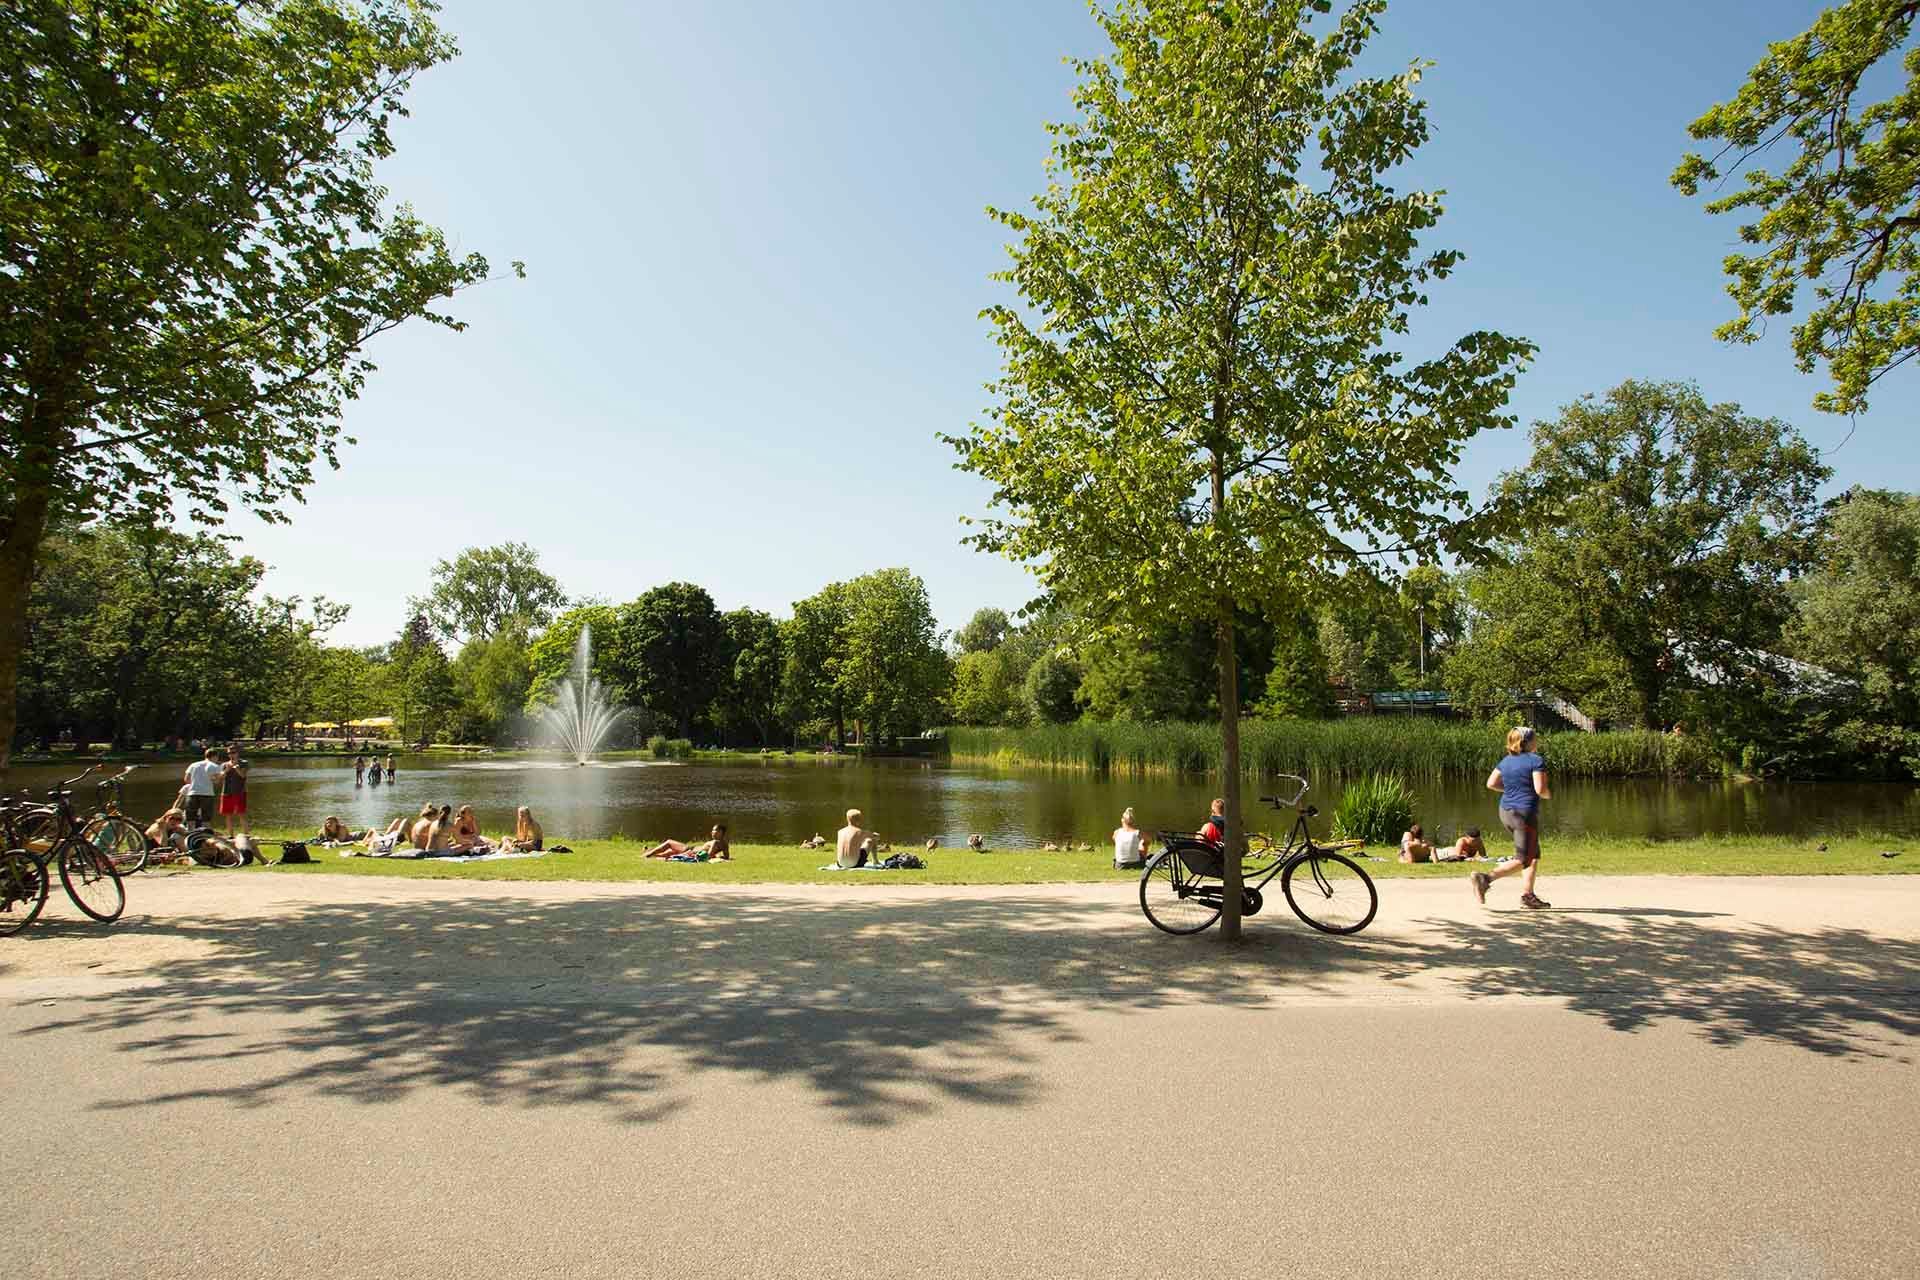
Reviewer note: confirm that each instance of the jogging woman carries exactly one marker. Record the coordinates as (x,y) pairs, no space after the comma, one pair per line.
(1521,780)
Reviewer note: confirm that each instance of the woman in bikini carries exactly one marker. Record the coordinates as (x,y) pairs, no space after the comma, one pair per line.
(715,847)
(466,832)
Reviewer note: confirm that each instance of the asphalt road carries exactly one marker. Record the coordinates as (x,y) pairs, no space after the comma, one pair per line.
(269,1075)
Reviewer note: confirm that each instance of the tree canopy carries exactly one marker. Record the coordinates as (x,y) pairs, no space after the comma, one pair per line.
(1662,533)
(1202,406)
(1840,213)
(194,255)
(483,589)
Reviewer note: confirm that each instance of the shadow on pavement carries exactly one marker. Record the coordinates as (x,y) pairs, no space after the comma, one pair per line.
(882,1010)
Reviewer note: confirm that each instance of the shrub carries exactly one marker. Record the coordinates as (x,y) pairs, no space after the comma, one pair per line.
(661,747)
(1375,807)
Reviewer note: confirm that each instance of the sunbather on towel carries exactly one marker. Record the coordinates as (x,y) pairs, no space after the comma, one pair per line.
(527,836)
(715,847)
(466,833)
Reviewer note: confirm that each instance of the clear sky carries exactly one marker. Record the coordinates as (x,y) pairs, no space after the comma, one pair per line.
(756,250)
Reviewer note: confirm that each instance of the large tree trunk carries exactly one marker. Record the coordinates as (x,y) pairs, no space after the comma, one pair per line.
(1229,664)
(20,538)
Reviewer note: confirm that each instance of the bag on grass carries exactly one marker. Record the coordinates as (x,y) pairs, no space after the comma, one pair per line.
(294,851)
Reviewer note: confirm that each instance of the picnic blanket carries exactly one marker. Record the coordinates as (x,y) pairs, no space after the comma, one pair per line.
(446,857)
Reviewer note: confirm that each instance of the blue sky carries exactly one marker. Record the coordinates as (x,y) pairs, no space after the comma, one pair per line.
(757,249)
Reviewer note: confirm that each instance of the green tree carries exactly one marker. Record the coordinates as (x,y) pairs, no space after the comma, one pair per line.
(142,632)
(1859,619)
(983,691)
(491,677)
(419,682)
(815,643)
(484,589)
(350,685)
(1050,688)
(750,690)
(1297,684)
(550,656)
(894,676)
(196,256)
(674,639)
(1840,215)
(1201,403)
(1664,532)
(985,630)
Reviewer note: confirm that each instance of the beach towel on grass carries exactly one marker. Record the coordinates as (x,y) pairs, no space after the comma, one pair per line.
(445,857)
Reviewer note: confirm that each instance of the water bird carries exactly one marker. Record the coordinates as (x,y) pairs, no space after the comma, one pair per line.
(932,844)
(1822,846)
(977,842)
(815,842)
(1049,847)
(1889,853)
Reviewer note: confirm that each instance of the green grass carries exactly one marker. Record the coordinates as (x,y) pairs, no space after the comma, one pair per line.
(1369,744)
(620,860)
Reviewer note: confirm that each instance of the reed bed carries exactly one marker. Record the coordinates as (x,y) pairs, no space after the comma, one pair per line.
(1374,744)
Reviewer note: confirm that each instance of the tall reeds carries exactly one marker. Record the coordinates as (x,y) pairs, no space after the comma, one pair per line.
(1374,744)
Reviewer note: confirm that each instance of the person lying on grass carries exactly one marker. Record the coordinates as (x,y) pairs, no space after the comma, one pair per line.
(1468,848)
(715,847)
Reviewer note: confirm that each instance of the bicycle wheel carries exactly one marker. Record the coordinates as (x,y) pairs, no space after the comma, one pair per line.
(1176,900)
(120,840)
(36,830)
(1329,892)
(23,890)
(90,880)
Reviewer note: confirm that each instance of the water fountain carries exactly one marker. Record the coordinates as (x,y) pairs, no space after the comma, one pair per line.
(580,716)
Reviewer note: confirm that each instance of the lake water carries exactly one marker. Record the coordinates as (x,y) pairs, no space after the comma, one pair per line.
(784,800)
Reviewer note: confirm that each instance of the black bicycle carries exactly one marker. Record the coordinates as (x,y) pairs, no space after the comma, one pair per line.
(87,874)
(1183,889)
(112,832)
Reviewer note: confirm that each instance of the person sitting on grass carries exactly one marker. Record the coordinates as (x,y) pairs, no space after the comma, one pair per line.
(169,830)
(419,832)
(1129,843)
(1468,848)
(1214,829)
(1414,846)
(466,833)
(439,831)
(715,847)
(527,836)
(856,844)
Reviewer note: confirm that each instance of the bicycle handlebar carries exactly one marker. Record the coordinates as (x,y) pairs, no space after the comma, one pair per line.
(70,781)
(1292,800)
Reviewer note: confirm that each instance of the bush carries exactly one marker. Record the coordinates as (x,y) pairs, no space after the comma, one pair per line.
(1375,807)
(661,747)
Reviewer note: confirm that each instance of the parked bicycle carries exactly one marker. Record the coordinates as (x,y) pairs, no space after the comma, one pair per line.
(1183,889)
(112,832)
(87,875)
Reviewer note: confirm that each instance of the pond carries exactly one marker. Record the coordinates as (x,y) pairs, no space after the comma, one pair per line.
(784,800)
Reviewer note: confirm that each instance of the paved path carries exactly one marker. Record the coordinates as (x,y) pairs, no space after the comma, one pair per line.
(272,1075)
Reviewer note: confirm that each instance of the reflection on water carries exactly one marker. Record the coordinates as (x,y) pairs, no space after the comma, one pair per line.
(783,800)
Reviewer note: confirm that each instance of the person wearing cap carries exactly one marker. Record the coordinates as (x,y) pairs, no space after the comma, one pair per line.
(1521,780)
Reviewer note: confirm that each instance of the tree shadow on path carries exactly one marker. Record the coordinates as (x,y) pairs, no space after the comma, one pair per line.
(883,1009)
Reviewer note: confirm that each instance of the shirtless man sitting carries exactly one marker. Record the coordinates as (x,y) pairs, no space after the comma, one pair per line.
(856,844)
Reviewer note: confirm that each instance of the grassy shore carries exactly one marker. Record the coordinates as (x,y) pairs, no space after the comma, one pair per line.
(1385,744)
(619,860)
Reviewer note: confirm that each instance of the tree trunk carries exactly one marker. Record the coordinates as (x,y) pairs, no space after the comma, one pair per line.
(19,549)
(1229,664)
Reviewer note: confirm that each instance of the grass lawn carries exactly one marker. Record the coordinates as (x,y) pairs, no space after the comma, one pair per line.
(764,864)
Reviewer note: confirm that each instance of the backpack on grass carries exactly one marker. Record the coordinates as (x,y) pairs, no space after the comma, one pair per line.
(294,851)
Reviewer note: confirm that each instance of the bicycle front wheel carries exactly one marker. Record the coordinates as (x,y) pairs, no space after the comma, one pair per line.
(1329,892)
(1176,900)
(121,841)
(90,880)
(23,890)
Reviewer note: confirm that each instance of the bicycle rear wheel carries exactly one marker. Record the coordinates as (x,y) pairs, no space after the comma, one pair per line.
(210,850)
(1329,892)
(1176,900)
(90,880)
(23,890)
(120,840)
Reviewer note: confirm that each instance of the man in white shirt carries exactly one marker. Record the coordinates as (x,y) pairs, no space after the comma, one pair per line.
(203,786)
